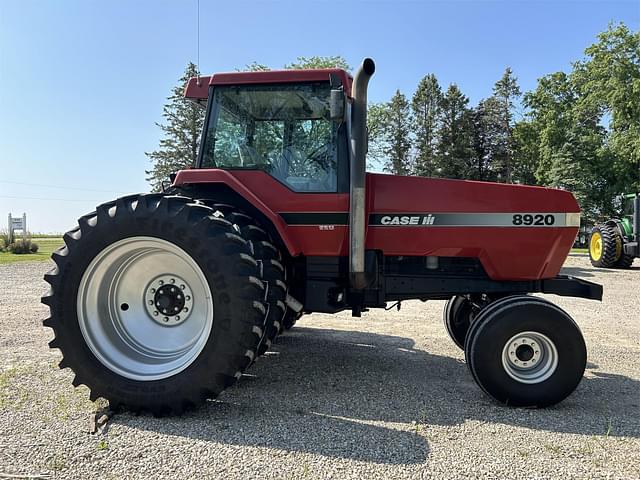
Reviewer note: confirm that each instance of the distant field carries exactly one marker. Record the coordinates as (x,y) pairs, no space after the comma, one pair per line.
(47,246)
(49,243)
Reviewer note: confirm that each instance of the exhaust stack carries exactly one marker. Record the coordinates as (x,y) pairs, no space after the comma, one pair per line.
(359,142)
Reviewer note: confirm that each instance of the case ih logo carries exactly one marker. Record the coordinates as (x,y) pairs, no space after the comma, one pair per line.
(407,220)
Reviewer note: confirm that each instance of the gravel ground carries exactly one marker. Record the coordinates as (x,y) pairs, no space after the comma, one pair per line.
(384,396)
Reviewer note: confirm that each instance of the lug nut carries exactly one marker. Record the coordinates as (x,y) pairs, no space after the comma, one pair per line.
(161,282)
(185,309)
(173,280)
(150,302)
(153,290)
(156,313)
(166,319)
(177,318)
(182,287)
(187,298)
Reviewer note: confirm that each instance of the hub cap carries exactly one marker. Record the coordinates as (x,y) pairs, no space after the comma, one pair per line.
(145,308)
(169,300)
(595,246)
(530,357)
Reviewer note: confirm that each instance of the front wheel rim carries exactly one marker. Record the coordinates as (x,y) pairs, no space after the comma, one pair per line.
(595,246)
(530,357)
(131,316)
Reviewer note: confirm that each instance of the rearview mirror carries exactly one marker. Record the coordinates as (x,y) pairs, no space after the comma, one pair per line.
(336,105)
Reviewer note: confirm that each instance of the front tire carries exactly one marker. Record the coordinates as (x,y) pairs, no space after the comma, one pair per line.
(458,314)
(526,352)
(156,303)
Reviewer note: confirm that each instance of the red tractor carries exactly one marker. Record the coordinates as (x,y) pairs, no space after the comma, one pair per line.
(160,301)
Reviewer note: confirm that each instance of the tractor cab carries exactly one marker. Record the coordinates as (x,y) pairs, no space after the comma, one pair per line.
(290,125)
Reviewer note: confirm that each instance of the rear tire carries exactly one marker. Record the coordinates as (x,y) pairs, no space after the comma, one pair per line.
(273,271)
(105,292)
(625,261)
(605,246)
(525,352)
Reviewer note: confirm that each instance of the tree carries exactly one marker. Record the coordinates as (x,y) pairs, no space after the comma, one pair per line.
(455,155)
(397,135)
(303,63)
(505,91)
(255,67)
(486,139)
(179,147)
(426,113)
(572,144)
(526,152)
(377,119)
(608,81)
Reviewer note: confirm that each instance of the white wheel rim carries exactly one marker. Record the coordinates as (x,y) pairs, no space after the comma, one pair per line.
(530,357)
(121,327)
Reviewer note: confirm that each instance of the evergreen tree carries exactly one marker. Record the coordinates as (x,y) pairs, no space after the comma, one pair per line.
(179,147)
(506,91)
(455,153)
(487,139)
(526,152)
(426,113)
(397,137)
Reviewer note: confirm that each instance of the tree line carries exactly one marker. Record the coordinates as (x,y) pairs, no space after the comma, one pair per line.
(577,130)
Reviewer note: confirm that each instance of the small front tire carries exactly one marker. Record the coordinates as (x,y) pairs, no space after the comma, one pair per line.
(525,352)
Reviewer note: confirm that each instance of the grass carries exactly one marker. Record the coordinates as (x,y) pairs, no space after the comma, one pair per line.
(47,246)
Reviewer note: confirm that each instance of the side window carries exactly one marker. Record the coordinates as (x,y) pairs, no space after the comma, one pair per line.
(283,129)
(227,139)
(311,156)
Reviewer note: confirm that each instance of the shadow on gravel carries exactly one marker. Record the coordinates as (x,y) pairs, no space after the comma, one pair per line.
(328,392)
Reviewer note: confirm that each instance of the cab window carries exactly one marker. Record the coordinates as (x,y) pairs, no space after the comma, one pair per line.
(283,129)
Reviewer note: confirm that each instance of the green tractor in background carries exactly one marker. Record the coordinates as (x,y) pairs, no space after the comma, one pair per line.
(615,243)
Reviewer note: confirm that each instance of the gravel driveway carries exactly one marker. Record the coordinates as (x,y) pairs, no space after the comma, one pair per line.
(384,396)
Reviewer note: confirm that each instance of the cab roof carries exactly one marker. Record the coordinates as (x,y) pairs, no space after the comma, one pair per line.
(197,89)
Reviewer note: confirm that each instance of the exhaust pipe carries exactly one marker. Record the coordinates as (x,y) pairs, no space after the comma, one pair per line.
(357,206)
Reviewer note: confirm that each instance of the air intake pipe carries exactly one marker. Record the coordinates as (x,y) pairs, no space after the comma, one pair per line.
(358,198)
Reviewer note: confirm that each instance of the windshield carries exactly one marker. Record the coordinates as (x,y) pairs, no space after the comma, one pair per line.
(282,129)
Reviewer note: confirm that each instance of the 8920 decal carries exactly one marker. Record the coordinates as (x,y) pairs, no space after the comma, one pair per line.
(535,220)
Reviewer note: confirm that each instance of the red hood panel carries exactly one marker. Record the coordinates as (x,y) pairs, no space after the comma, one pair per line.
(316,223)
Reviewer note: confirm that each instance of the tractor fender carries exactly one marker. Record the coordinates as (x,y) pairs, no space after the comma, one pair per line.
(224,187)
(617,224)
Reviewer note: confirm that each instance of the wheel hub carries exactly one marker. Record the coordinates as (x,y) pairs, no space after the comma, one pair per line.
(529,357)
(168,300)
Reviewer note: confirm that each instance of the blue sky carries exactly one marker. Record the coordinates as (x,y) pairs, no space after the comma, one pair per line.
(82,82)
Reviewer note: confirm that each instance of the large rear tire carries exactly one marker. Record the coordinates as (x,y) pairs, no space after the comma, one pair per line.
(605,246)
(525,352)
(625,261)
(156,303)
